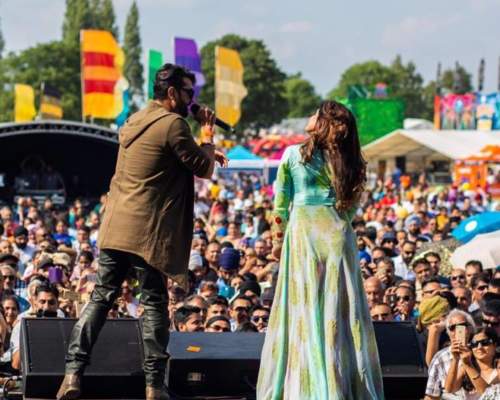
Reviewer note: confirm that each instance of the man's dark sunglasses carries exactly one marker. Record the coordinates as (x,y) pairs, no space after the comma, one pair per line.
(257,318)
(188,91)
(483,343)
(458,277)
(403,298)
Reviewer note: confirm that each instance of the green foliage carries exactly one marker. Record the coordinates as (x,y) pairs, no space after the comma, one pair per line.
(265,103)
(78,16)
(404,83)
(301,97)
(407,85)
(103,16)
(367,74)
(2,43)
(133,53)
(56,63)
(457,80)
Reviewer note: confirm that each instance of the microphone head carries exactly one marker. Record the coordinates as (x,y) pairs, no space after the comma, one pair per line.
(194,108)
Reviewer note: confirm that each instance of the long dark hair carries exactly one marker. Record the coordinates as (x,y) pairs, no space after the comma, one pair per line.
(336,134)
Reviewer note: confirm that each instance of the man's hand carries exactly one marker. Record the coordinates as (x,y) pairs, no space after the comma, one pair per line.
(221,158)
(205,116)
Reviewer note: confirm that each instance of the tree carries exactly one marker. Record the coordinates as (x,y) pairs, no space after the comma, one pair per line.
(53,63)
(103,16)
(2,43)
(78,16)
(407,84)
(265,103)
(133,53)
(367,74)
(301,97)
(457,80)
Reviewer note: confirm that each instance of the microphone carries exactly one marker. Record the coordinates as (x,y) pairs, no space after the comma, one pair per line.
(218,122)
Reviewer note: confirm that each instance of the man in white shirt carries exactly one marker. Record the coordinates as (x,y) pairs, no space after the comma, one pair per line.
(21,247)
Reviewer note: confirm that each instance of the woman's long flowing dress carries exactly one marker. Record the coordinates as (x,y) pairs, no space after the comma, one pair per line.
(320,343)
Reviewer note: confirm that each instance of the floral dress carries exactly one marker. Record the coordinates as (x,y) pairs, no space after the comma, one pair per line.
(320,343)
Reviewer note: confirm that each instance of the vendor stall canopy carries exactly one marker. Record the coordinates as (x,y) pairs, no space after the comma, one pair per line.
(438,144)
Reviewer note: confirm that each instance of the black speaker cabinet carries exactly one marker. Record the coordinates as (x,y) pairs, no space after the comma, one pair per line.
(214,364)
(226,364)
(115,371)
(402,360)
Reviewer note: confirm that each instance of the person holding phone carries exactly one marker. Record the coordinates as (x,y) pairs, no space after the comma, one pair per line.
(473,367)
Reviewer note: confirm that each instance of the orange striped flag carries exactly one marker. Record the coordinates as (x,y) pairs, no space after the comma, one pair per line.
(101,71)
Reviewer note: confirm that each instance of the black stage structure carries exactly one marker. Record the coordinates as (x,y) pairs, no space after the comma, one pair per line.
(83,154)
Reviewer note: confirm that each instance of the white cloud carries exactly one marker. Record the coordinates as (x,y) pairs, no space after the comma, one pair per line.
(296,27)
(412,30)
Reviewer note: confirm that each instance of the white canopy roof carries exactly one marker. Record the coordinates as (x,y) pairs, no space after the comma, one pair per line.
(439,144)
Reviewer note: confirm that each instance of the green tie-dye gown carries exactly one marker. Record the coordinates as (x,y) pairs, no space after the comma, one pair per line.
(320,343)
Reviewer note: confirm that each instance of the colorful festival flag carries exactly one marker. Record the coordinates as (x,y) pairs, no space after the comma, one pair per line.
(186,54)
(50,103)
(24,106)
(155,63)
(102,60)
(229,87)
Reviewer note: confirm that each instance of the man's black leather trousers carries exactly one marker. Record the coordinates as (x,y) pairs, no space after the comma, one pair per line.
(114,266)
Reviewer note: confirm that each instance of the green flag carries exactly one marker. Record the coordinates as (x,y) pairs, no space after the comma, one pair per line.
(155,63)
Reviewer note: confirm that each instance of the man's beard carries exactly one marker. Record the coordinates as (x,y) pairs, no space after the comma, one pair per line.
(182,110)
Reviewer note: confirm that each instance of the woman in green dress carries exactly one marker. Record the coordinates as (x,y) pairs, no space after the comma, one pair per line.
(320,343)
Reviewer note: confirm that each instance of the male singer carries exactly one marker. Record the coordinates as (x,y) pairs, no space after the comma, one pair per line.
(148,223)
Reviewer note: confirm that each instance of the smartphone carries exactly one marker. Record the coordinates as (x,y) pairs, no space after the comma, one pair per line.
(462,334)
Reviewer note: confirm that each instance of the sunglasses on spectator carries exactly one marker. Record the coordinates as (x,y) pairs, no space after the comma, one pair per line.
(483,343)
(482,287)
(219,328)
(493,324)
(403,298)
(458,277)
(453,327)
(9,277)
(188,91)
(260,318)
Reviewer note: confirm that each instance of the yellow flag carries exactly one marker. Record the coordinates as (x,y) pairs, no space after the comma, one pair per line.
(229,87)
(101,58)
(24,107)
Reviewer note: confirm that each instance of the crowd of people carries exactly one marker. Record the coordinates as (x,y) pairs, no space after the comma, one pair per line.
(49,259)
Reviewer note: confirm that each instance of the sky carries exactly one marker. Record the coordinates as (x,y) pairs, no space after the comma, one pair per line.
(319,38)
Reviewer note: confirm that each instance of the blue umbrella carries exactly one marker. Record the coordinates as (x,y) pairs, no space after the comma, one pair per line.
(485,222)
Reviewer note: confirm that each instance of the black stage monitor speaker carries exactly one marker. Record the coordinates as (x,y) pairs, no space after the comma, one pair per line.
(213,364)
(402,360)
(116,365)
(226,364)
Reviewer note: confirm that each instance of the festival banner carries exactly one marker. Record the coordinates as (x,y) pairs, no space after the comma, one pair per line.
(229,87)
(458,111)
(186,54)
(375,118)
(155,63)
(24,106)
(437,112)
(102,60)
(488,111)
(50,103)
